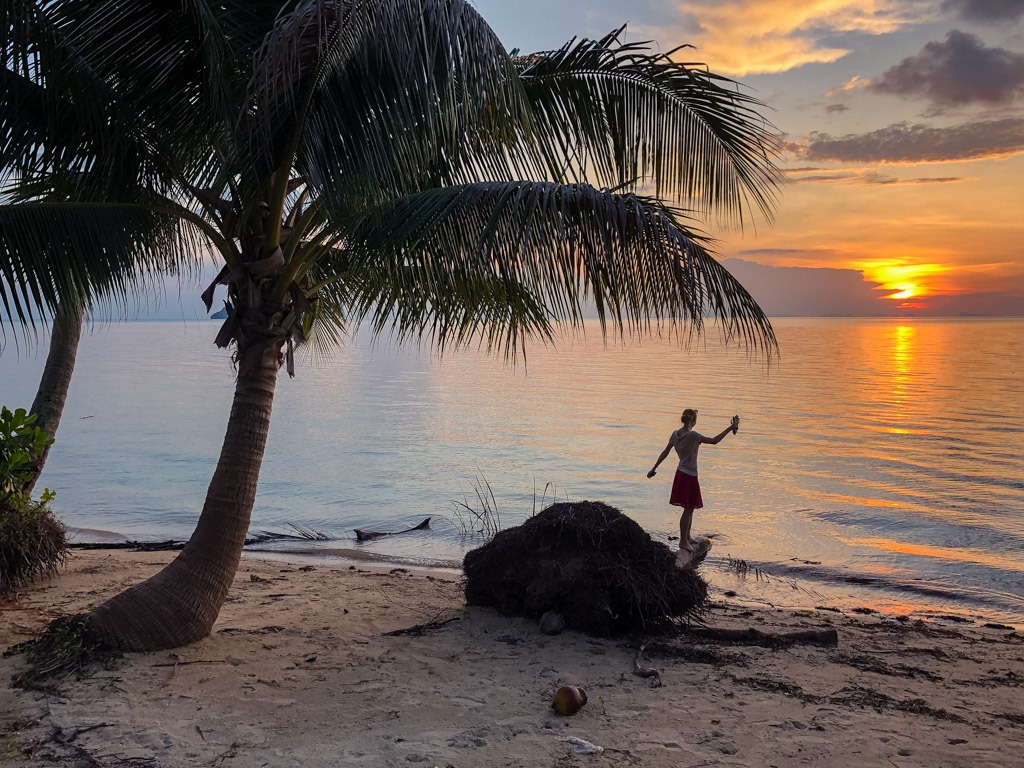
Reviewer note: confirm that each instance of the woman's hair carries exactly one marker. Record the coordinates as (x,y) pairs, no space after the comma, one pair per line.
(689,416)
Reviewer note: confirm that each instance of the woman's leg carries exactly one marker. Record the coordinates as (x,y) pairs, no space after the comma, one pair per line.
(685,523)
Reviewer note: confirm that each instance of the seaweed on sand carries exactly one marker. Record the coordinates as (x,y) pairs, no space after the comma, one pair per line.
(591,563)
(69,646)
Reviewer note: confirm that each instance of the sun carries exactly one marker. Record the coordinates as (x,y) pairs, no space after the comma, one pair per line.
(905,291)
(903,279)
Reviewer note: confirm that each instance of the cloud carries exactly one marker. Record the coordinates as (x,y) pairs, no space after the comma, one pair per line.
(854,82)
(860,176)
(905,143)
(809,291)
(785,256)
(1003,303)
(798,291)
(742,37)
(986,11)
(836,108)
(962,70)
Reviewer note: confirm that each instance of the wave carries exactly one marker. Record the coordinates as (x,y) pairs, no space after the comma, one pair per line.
(949,595)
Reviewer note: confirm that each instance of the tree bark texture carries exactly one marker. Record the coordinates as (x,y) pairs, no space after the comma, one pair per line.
(65,333)
(180,604)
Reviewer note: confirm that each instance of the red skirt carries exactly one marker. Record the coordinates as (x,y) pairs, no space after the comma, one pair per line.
(686,491)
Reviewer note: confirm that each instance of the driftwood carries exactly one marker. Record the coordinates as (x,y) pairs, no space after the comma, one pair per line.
(647,672)
(751,636)
(362,535)
(419,629)
(135,546)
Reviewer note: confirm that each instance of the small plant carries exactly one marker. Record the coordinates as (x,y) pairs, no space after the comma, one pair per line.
(483,519)
(33,542)
(548,486)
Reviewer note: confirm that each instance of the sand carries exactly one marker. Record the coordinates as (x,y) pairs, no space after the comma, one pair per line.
(299,672)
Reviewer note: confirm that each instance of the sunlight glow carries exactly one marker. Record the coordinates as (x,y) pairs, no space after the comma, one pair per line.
(904,279)
(905,292)
(741,37)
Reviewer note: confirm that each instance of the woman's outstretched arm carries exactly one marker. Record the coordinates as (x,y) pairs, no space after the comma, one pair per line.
(718,438)
(661,458)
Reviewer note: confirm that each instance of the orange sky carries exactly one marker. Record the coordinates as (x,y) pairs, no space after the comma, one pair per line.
(904,130)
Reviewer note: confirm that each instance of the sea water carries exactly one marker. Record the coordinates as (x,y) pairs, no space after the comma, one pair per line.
(879,463)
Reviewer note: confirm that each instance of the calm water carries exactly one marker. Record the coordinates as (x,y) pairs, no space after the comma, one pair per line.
(880,462)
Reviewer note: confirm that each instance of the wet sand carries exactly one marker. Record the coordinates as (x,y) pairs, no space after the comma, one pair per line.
(299,672)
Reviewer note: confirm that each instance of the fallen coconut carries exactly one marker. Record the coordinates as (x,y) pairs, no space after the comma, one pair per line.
(568,700)
(551,623)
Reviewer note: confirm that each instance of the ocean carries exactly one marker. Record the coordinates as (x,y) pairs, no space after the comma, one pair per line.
(879,463)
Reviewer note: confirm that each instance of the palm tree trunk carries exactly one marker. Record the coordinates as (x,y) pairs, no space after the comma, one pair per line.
(55,382)
(179,604)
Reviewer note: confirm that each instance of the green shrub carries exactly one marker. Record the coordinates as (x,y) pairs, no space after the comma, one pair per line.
(21,444)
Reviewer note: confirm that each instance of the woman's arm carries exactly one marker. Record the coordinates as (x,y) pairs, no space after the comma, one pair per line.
(664,455)
(717,438)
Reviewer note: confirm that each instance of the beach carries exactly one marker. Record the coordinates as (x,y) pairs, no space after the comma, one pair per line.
(301,670)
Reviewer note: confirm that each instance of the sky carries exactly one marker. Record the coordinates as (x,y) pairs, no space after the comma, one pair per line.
(903,131)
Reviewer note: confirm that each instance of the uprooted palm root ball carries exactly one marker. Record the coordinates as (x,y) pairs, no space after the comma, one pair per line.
(33,544)
(589,562)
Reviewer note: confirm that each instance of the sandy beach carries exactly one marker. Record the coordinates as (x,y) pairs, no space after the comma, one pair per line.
(300,671)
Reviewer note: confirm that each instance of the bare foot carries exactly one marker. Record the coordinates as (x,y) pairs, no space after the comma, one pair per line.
(687,547)
(694,545)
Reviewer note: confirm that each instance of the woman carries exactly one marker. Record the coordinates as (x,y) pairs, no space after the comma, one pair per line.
(685,487)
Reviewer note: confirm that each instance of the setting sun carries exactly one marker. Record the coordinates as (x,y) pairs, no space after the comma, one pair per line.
(905,280)
(905,292)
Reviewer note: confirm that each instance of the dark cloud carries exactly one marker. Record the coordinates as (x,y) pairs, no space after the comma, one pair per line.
(962,70)
(826,291)
(836,108)
(808,291)
(877,178)
(793,253)
(985,10)
(905,143)
(868,178)
(1006,303)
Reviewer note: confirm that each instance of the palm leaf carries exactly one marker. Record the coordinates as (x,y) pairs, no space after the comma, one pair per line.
(630,117)
(77,252)
(498,262)
(381,98)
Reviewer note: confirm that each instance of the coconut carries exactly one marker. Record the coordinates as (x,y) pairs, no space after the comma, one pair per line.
(568,700)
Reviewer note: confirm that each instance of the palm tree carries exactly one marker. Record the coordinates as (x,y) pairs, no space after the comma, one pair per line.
(54,264)
(389,162)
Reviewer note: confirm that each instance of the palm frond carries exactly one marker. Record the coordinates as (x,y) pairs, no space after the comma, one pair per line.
(498,262)
(630,117)
(129,92)
(381,98)
(81,252)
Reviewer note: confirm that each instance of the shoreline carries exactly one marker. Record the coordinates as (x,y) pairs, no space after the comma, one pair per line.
(755,587)
(299,671)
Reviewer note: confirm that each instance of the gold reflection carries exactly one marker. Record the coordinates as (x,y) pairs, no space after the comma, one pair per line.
(959,554)
(902,359)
